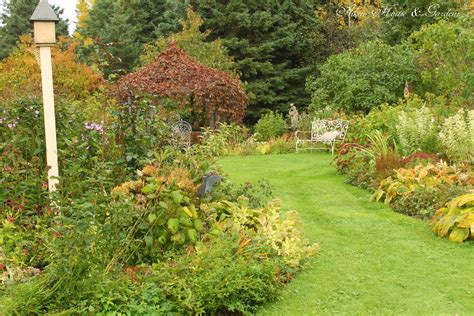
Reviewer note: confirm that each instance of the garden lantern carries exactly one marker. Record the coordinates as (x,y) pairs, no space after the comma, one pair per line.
(44,21)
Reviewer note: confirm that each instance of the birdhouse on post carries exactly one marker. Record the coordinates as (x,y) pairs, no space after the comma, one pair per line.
(44,21)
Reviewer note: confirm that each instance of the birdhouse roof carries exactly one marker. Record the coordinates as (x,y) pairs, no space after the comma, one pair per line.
(44,12)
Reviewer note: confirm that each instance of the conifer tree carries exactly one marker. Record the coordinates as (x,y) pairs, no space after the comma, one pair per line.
(124,26)
(15,21)
(275,45)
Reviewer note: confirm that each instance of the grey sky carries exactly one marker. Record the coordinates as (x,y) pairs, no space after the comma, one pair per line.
(69,7)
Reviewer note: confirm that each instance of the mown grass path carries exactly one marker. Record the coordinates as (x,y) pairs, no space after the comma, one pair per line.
(373,261)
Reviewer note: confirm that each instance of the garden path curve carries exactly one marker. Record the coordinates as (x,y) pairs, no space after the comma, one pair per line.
(372,260)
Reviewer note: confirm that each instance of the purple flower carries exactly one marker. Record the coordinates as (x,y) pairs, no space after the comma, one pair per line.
(95,127)
(12,124)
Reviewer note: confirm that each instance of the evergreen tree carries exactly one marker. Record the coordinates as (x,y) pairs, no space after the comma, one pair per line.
(274,45)
(123,26)
(15,21)
(194,42)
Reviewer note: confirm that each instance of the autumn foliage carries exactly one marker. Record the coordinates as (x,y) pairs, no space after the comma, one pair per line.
(175,75)
(21,75)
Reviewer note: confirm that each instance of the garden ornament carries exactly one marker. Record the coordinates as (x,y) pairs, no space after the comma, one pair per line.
(293,116)
(408,91)
(208,184)
(44,21)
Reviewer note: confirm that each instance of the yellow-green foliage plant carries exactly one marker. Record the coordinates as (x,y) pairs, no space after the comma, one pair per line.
(432,177)
(262,226)
(456,219)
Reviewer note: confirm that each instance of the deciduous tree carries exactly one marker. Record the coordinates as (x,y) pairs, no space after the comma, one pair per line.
(365,77)
(21,76)
(212,94)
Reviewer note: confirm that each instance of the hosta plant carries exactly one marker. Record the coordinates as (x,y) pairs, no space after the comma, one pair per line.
(430,176)
(456,219)
(419,191)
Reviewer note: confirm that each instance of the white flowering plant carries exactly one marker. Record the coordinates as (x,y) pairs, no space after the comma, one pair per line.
(457,136)
(417,131)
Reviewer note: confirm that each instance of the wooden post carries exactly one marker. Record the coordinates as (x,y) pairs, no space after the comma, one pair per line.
(49,117)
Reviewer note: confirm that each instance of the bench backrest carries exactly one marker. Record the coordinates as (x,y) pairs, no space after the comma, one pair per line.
(319,127)
(181,133)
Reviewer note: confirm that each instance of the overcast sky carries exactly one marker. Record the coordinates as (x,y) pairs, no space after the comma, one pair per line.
(69,7)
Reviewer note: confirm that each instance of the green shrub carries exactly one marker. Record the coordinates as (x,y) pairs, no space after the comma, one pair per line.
(258,193)
(142,248)
(383,119)
(424,201)
(359,167)
(270,125)
(386,117)
(265,226)
(446,69)
(383,152)
(363,78)
(224,275)
(224,140)
(282,145)
(305,121)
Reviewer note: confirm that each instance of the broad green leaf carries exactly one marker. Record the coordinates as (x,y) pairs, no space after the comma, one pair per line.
(177,197)
(459,234)
(148,241)
(466,221)
(151,217)
(464,199)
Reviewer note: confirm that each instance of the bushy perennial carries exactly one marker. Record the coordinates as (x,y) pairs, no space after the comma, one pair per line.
(417,131)
(457,136)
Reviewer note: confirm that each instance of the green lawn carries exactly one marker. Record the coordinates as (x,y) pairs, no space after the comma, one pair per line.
(373,261)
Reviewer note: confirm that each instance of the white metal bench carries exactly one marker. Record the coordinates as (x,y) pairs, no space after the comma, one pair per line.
(325,132)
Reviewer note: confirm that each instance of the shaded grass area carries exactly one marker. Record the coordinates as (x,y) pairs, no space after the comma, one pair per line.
(372,261)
